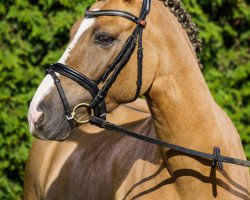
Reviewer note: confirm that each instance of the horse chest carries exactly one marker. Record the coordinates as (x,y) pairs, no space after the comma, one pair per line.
(107,166)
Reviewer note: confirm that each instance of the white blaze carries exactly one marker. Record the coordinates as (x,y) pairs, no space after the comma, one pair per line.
(85,25)
(48,83)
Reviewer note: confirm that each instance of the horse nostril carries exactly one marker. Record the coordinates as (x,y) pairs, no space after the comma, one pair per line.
(39,122)
(40,106)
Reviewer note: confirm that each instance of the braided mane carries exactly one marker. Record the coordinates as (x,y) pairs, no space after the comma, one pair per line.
(185,20)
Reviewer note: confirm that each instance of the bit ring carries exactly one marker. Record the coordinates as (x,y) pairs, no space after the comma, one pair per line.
(74,112)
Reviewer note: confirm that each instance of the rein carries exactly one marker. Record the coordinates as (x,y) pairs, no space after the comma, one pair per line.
(216,157)
(97,106)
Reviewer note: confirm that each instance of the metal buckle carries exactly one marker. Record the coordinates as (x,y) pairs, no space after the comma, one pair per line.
(143,23)
(69,117)
(74,112)
(103,115)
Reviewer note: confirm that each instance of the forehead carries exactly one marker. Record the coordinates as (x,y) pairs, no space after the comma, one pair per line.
(110,22)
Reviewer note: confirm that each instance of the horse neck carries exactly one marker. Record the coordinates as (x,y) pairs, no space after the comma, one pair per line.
(183,109)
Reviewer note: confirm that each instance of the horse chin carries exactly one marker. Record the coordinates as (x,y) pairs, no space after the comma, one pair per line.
(56,133)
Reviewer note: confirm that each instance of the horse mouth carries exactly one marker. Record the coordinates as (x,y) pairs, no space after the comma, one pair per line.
(57,133)
(53,135)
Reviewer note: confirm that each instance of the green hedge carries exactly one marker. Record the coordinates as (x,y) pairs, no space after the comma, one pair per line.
(34,34)
(225,31)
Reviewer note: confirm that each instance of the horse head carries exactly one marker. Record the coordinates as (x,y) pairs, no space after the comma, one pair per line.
(95,44)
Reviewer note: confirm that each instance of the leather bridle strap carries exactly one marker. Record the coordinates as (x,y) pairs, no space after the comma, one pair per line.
(127,15)
(76,76)
(63,97)
(127,50)
(216,157)
(82,80)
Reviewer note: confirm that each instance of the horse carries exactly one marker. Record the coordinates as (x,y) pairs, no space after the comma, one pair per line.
(113,166)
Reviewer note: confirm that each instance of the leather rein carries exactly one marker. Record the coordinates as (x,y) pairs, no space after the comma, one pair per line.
(97,106)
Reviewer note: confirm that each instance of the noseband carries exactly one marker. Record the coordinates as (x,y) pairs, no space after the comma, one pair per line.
(97,106)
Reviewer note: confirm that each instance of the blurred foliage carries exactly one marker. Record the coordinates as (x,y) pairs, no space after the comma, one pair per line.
(34,33)
(225,31)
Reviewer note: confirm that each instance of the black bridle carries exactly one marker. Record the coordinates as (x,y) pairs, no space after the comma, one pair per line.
(113,70)
(98,105)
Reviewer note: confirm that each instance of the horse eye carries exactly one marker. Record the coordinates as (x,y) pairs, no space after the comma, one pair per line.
(104,39)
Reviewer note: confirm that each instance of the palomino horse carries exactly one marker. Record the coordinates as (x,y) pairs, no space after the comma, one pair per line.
(111,166)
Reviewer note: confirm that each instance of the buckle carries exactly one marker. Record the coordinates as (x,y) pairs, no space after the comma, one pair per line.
(217,158)
(69,117)
(143,23)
